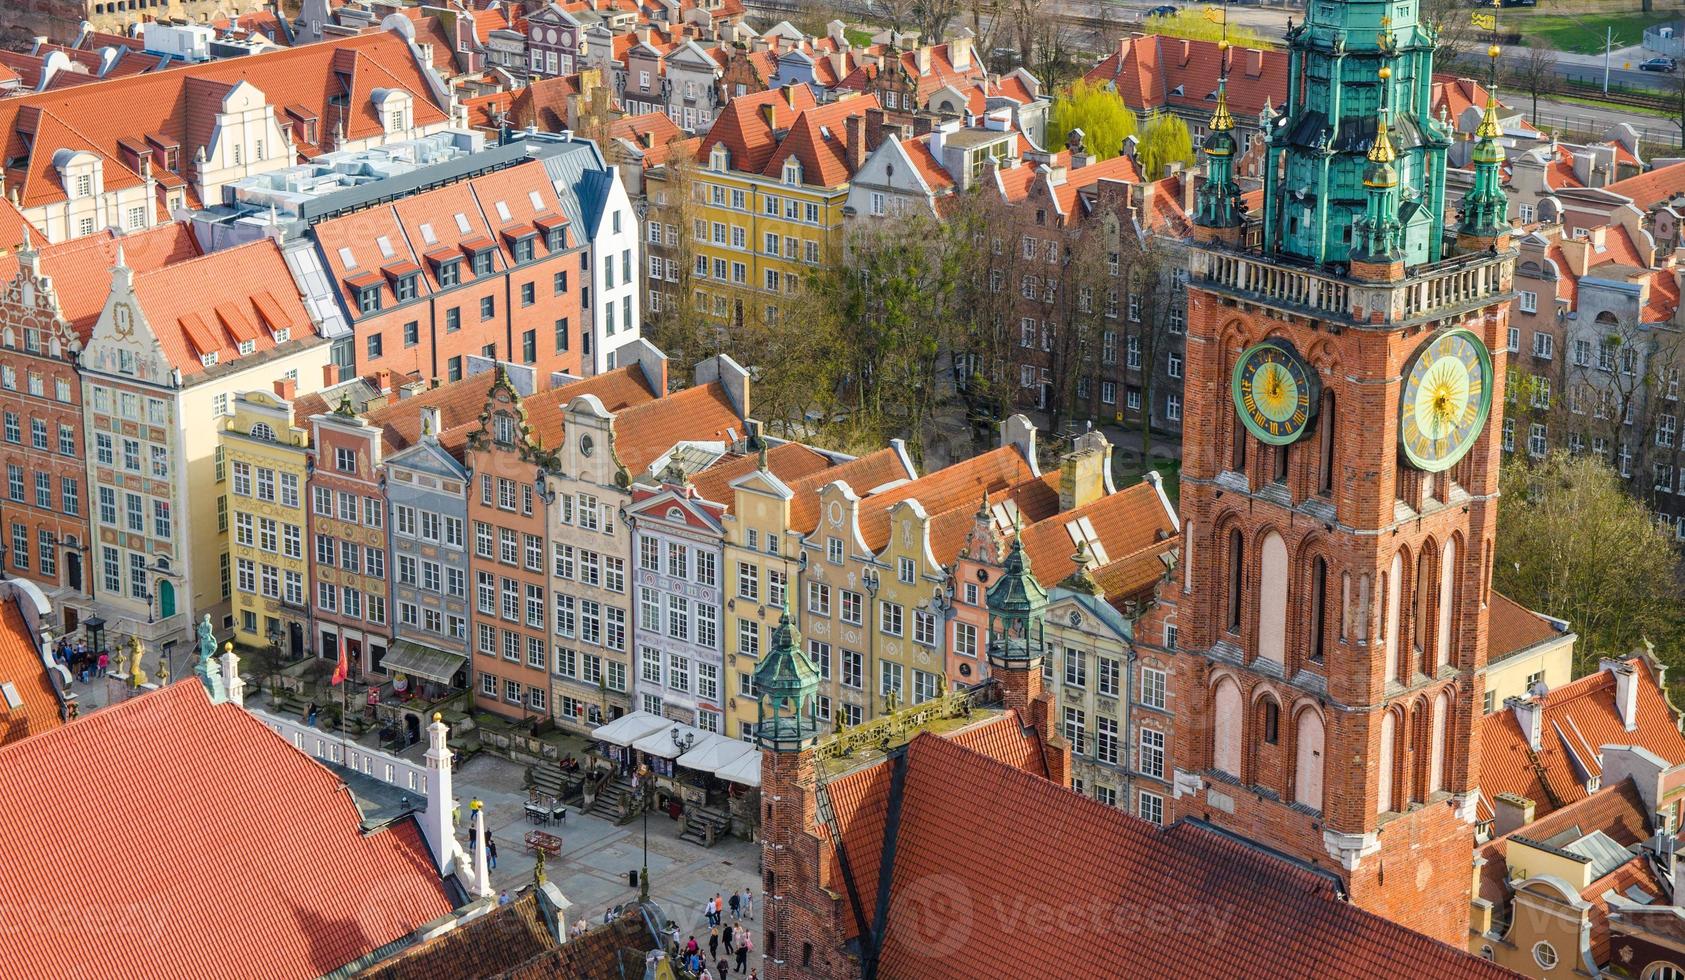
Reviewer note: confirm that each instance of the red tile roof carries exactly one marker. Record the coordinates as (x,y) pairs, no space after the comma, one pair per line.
(1580,717)
(819,141)
(961,485)
(1646,190)
(655,135)
(743,128)
(22,666)
(1153,72)
(227,817)
(1514,627)
(1055,850)
(81,267)
(643,432)
(789,462)
(619,389)
(194,306)
(1127,523)
(182,103)
(862,475)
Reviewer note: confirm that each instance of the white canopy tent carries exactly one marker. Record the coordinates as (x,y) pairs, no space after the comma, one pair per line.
(626,729)
(661,743)
(713,753)
(745,770)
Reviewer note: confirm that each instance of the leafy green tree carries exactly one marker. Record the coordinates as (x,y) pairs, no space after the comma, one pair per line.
(1165,140)
(1096,110)
(1195,24)
(1573,544)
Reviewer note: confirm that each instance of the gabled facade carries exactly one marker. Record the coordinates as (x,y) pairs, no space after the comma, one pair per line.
(427,497)
(677,541)
(168,355)
(348,540)
(264,464)
(553,41)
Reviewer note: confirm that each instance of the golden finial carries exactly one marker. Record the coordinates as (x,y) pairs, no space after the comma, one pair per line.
(1381,151)
(438,717)
(1385,72)
(1221,121)
(1489,128)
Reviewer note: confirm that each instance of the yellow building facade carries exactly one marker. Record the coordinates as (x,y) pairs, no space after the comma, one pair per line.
(261,471)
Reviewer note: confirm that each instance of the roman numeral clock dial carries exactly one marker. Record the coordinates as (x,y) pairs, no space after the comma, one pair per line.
(1275,393)
(1446,399)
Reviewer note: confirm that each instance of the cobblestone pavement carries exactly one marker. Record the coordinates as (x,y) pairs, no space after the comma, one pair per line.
(596,856)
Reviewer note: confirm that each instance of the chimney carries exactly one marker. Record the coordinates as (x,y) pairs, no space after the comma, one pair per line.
(1626,690)
(1074,143)
(1510,811)
(760,44)
(437,825)
(330,375)
(1529,714)
(1189,179)
(959,53)
(1082,475)
(286,388)
(383,379)
(231,681)
(644,34)
(922,58)
(854,128)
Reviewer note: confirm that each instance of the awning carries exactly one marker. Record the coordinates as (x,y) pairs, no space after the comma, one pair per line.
(626,729)
(714,753)
(661,744)
(745,770)
(409,657)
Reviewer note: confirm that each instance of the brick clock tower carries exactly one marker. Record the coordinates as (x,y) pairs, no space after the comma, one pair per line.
(1339,481)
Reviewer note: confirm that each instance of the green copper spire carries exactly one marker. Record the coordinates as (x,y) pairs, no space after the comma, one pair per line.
(1217,201)
(1350,62)
(1017,613)
(1378,235)
(789,686)
(1485,206)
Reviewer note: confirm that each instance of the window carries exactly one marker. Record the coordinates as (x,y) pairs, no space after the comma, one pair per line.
(1529,301)
(1536,440)
(1544,345)
(890,679)
(1105,739)
(965,639)
(1513,344)
(1150,807)
(1152,687)
(1152,753)
(1076,730)
(748,581)
(1076,668)
(853,665)
(1544,955)
(889,618)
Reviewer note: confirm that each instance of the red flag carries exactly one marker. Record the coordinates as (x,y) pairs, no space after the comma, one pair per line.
(341,669)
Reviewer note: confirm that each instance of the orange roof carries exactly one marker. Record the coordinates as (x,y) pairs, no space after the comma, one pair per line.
(180,302)
(1514,628)
(14,226)
(1036,499)
(1453,95)
(232,816)
(618,389)
(1153,72)
(643,432)
(743,127)
(929,168)
(1663,297)
(22,666)
(1055,849)
(862,475)
(181,104)
(939,72)
(961,485)
(81,267)
(1126,523)
(1646,190)
(459,403)
(1580,717)
(787,461)
(819,141)
(653,133)
(544,103)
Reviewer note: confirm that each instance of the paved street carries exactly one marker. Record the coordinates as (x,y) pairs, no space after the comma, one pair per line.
(596,855)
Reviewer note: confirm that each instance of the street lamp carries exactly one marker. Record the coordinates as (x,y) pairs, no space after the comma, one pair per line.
(646,783)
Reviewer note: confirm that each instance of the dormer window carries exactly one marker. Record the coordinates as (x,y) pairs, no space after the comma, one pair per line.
(283,335)
(503,429)
(261,430)
(248,346)
(557,240)
(83,185)
(523,249)
(404,288)
(483,262)
(792,173)
(368,299)
(450,273)
(719,159)
(208,360)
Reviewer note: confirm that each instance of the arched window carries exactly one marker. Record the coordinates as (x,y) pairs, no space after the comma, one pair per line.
(1307,765)
(1188,539)
(1225,727)
(1393,584)
(1272,599)
(1436,743)
(1384,766)
(1319,607)
(1325,447)
(1447,593)
(1419,604)
(1272,722)
(1237,578)
(261,430)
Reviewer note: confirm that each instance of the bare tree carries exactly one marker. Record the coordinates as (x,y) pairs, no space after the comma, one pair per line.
(934,16)
(1535,73)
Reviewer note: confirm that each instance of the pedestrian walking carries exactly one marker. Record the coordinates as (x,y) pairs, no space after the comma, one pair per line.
(491,851)
(723,969)
(719,908)
(104,662)
(691,947)
(743,956)
(730,931)
(748,905)
(713,943)
(736,906)
(503,899)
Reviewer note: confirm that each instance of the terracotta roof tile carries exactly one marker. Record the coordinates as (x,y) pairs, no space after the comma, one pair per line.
(22,666)
(232,816)
(643,432)
(1153,72)
(1580,717)
(171,298)
(1084,854)
(863,475)
(1126,524)
(1646,190)
(960,485)
(1036,499)
(619,389)
(819,141)
(1514,627)
(742,126)
(789,462)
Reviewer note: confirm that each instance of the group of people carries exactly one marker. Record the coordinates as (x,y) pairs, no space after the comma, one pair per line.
(82,663)
(737,939)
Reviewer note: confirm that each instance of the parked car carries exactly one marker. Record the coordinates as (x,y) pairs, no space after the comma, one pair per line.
(1162,10)
(1520,3)
(1659,64)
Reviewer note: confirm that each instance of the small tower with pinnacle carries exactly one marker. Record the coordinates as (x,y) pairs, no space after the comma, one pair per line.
(1484,223)
(1217,208)
(1378,255)
(1017,606)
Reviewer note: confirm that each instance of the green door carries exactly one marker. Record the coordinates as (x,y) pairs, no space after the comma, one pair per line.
(166,600)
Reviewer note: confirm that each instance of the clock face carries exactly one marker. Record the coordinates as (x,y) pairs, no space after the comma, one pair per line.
(1275,393)
(1447,397)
